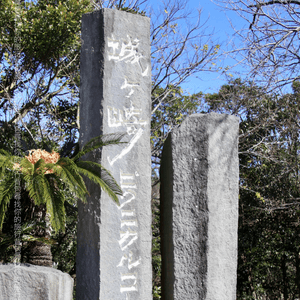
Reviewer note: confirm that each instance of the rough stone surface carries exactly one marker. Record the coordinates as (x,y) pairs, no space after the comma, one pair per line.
(29,282)
(114,243)
(199,209)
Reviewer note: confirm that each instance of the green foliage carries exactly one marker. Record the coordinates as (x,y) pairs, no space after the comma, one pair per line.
(48,29)
(39,66)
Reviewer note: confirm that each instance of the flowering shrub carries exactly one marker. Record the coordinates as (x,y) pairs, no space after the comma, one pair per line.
(36,154)
(63,173)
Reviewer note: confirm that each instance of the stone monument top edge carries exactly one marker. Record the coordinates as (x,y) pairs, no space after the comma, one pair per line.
(102,10)
(213,115)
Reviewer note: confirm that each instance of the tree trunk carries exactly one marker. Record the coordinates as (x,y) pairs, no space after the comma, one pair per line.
(39,252)
(298,273)
(284,277)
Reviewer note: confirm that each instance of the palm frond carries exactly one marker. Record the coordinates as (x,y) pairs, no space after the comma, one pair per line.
(69,174)
(39,166)
(4,152)
(100,141)
(101,177)
(37,188)
(49,166)
(106,139)
(55,205)
(27,166)
(7,161)
(107,175)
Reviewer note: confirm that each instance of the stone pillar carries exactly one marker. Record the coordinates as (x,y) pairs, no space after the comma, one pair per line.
(114,242)
(29,282)
(199,209)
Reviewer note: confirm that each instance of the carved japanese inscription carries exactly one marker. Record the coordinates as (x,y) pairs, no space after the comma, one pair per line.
(130,118)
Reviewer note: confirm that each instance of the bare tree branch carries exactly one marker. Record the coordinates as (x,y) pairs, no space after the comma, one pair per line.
(270,42)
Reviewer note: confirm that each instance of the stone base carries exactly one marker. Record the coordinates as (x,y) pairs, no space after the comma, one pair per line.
(30,282)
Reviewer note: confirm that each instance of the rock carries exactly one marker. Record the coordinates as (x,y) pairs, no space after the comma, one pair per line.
(30,282)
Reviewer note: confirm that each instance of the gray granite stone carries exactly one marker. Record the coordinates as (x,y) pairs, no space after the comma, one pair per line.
(199,209)
(29,282)
(114,243)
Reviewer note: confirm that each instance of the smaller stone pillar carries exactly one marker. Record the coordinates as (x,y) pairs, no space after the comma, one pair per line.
(199,209)
(29,282)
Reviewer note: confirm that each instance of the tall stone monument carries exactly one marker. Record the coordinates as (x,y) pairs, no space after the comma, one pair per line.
(114,242)
(199,209)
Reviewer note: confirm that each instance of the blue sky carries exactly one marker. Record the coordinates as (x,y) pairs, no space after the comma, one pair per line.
(218,23)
